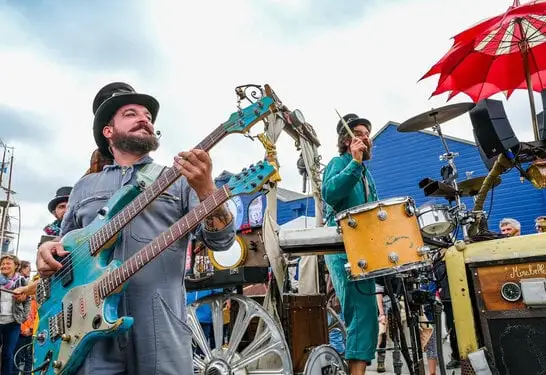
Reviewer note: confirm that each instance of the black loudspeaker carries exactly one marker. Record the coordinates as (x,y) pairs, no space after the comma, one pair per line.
(487,161)
(492,129)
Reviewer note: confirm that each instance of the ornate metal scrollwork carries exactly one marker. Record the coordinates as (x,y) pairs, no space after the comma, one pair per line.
(250,92)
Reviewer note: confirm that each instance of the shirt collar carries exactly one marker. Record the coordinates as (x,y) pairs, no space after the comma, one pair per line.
(146,159)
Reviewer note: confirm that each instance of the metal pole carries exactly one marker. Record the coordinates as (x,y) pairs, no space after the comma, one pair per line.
(8,196)
(524,47)
(3,162)
(18,231)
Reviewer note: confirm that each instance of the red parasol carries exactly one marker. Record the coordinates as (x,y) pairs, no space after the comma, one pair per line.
(503,53)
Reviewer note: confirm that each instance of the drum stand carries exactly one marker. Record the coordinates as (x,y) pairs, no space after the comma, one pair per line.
(414,362)
(449,156)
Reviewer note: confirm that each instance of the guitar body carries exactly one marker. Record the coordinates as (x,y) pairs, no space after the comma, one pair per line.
(71,319)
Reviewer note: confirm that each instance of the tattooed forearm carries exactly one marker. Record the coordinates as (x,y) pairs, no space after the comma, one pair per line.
(218,219)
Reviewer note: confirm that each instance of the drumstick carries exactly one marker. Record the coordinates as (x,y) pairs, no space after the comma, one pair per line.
(345,125)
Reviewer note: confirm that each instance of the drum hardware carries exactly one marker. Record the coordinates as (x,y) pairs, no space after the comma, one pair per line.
(362,264)
(433,119)
(423,250)
(410,209)
(394,258)
(351,221)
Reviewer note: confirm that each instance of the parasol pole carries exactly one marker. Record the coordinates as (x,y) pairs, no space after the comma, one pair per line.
(524,47)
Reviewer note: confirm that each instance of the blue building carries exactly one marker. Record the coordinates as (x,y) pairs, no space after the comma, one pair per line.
(401,160)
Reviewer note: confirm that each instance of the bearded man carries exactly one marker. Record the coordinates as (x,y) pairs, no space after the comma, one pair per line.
(160,339)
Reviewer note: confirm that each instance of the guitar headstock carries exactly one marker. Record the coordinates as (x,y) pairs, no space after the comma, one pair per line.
(251,179)
(242,120)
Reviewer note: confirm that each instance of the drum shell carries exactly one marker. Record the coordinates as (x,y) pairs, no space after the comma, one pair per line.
(435,221)
(373,240)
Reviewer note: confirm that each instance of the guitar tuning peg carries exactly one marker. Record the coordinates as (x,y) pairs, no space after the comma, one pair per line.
(256,111)
(253,184)
(260,104)
(260,176)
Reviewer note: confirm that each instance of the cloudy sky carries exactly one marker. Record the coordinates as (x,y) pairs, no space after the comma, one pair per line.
(353,55)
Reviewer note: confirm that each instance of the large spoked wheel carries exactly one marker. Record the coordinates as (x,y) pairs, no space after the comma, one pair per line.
(240,351)
(325,360)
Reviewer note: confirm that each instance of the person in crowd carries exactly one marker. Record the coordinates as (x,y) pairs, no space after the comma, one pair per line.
(510,227)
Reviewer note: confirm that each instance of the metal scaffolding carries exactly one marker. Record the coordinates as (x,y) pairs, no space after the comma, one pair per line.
(10,212)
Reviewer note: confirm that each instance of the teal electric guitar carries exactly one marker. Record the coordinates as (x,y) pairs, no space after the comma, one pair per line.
(98,239)
(90,307)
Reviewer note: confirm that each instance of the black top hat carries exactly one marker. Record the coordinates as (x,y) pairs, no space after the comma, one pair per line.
(352,121)
(61,196)
(111,98)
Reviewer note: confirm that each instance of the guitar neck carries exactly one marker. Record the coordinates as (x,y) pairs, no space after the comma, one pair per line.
(115,279)
(129,212)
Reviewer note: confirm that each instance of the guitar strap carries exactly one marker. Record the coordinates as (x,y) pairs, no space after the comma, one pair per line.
(146,175)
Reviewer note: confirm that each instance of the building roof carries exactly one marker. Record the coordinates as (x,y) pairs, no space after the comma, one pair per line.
(286,195)
(429,132)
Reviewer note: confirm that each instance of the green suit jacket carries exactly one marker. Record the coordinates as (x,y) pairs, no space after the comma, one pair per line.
(343,187)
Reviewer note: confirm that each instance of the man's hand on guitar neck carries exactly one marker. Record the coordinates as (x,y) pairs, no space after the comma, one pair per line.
(45,262)
(196,166)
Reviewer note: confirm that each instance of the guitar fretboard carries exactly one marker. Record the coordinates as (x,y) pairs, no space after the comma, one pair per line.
(115,279)
(129,212)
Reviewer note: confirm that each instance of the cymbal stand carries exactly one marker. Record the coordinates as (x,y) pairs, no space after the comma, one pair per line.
(450,158)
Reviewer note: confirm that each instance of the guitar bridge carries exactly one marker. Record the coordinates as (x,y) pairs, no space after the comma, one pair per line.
(56,326)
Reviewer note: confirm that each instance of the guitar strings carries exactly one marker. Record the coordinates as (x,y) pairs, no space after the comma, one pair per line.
(89,260)
(204,144)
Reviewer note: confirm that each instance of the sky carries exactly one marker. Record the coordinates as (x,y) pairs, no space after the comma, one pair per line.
(356,56)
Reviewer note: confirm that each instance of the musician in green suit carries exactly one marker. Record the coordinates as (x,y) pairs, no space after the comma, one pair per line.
(348,183)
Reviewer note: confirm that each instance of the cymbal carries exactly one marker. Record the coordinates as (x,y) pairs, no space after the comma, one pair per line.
(434,116)
(470,187)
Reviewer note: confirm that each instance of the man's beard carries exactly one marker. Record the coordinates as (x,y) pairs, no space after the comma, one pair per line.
(134,144)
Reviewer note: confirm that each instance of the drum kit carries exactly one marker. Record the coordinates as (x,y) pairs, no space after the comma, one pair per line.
(393,236)
(393,239)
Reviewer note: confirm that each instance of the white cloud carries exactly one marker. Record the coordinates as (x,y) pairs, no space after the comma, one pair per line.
(370,67)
